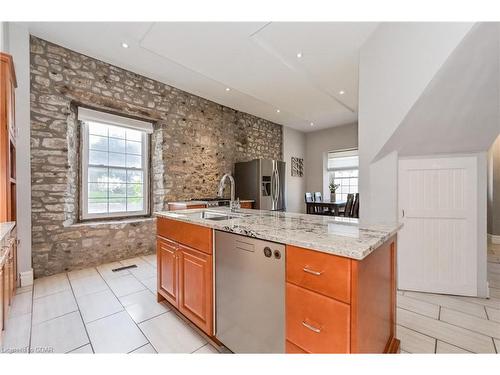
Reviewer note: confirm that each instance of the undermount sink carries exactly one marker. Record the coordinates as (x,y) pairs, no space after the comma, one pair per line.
(216,216)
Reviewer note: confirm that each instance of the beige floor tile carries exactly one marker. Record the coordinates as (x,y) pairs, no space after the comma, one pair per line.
(106,270)
(446,332)
(169,334)
(24,289)
(86,349)
(88,285)
(17,333)
(151,284)
(60,335)
(21,304)
(151,259)
(53,306)
(425,308)
(115,334)
(142,306)
(206,349)
(497,345)
(124,285)
(450,302)
(414,342)
(495,293)
(50,285)
(86,272)
(493,314)
(483,326)
(146,349)
(445,348)
(144,271)
(98,305)
(491,302)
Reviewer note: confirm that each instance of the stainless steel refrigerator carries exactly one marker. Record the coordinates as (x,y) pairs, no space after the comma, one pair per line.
(263,181)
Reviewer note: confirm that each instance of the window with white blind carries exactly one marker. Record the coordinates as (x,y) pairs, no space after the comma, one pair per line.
(115,165)
(343,169)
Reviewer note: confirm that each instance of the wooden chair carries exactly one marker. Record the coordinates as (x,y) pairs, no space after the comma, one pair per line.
(355,207)
(347,211)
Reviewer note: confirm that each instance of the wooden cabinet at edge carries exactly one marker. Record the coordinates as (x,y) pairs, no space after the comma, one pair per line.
(185,270)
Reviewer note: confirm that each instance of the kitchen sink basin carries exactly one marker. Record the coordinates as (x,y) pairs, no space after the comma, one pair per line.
(216,216)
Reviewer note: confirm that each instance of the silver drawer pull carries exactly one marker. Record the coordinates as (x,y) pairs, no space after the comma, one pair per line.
(312,328)
(315,273)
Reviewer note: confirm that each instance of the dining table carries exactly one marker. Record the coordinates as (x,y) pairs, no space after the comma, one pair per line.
(325,207)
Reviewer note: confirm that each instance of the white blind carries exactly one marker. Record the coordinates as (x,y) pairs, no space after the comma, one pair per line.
(85,114)
(340,160)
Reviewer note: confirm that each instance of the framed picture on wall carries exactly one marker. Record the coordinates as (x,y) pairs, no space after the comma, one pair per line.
(297,167)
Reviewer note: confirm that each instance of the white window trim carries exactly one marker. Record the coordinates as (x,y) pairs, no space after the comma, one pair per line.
(84,215)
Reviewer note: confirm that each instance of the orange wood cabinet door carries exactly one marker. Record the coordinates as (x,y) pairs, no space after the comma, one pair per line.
(246,205)
(316,323)
(2,317)
(168,270)
(195,287)
(323,273)
(291,348)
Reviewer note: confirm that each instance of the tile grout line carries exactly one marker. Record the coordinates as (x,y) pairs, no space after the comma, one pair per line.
(120,302)
(80,313)
(451,308)
(424,334)
(442,321)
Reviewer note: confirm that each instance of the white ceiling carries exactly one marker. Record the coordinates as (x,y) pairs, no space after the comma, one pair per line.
(256,60)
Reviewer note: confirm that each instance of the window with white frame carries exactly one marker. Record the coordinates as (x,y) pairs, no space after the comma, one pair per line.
(343,169)
(115,165)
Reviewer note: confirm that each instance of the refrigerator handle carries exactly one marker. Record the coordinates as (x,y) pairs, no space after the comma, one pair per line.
(277,185)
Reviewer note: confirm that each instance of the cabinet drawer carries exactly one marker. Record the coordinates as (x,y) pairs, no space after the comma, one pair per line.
(291,348)
(195,236)
(316,323)
(324,273)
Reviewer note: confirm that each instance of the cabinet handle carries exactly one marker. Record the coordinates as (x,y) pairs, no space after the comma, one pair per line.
(315,273)
(312,328)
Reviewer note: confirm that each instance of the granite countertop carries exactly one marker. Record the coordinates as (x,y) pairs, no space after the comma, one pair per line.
(5,229)
(194,203)
(333,235)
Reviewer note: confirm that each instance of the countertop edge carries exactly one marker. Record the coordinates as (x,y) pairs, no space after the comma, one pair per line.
(356,255)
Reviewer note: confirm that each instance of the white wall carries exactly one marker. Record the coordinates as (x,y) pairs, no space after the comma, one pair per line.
(494,188)
(294,144)
(318,144)
(19,49)
(396,64)
(4,37)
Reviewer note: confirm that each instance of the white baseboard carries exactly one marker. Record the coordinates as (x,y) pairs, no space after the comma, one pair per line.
(495,239)
(26,278)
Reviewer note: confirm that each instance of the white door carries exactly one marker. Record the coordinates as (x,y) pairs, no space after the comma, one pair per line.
(437,246)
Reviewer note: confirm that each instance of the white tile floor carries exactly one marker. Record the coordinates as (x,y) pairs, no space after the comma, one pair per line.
(96,310)
(434,323)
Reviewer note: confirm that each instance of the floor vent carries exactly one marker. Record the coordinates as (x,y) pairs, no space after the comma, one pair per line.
(123,268)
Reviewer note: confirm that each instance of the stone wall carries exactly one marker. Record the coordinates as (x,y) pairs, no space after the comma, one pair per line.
(195,141)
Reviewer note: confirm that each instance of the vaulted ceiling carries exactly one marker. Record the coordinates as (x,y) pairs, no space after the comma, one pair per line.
(295,73)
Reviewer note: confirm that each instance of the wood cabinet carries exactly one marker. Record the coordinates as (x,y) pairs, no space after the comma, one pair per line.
(8,279)
(7,139)
(341,305)
(246,204)
(185,270)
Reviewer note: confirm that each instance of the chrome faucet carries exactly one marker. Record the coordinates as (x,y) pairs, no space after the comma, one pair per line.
(233,204)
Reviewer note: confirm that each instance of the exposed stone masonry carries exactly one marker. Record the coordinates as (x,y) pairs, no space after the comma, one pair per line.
(195,141)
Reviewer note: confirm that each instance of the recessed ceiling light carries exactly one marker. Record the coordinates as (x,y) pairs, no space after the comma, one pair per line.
(228,89)
(312,123)
(341,92)
(277,111)
(299,55)
(124,45)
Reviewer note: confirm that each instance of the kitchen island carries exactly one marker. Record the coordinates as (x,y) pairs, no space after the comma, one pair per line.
(338,280)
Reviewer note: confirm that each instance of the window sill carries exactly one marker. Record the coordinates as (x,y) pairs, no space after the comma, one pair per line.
(101,222)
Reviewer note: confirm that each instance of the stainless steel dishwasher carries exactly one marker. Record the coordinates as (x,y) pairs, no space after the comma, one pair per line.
(250,294)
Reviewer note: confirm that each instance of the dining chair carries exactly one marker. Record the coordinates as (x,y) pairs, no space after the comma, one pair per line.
(355,207)
(347,211)
(308,197)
